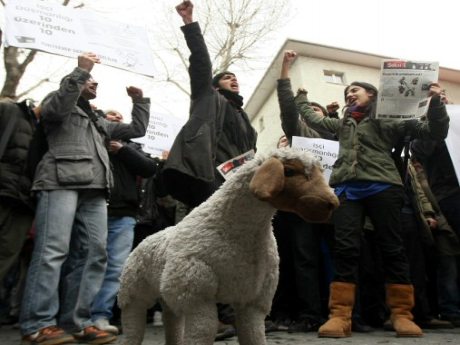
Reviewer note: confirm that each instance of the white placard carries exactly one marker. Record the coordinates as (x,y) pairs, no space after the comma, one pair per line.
(453,137)
(66,31)
(326,151)
(403,90)
(161,132)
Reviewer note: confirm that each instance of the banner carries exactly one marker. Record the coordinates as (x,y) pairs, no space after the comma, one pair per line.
(160,135)
(453,137)
(66,31)
(326,151)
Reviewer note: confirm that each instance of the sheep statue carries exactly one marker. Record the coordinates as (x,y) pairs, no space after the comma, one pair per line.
(224,251)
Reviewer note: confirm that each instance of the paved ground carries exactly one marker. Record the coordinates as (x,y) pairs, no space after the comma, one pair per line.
(154,336)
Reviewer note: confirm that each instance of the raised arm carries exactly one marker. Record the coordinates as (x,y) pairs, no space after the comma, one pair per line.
(136,161)
(290,121)
(437,125)
(139,115)
(200,69)
(314,120)
(58,105)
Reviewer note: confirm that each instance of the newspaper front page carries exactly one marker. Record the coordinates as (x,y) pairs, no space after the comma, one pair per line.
(404,87)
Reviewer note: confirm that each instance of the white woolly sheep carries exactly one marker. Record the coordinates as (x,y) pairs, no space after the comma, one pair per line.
(224,251)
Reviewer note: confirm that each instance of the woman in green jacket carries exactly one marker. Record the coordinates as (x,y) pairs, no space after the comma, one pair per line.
(368,183)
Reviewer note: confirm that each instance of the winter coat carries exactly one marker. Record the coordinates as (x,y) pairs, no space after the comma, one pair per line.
(215,132)
(444,237)
(77,157)
(14,182)
(127,164)
(438,167)
(365,147)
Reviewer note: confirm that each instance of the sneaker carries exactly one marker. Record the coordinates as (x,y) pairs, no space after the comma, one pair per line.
(104,325)
(93,335)
(51,335)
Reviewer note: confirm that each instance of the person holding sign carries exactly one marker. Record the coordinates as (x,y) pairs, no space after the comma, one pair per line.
(218,129)
(368,183)
(72,181)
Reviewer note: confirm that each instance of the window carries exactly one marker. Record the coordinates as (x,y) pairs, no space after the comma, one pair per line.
(334,77)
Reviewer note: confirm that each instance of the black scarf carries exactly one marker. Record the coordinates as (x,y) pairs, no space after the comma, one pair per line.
(232,97)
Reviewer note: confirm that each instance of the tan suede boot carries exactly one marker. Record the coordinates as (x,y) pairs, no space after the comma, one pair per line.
(341,301)
(400,299)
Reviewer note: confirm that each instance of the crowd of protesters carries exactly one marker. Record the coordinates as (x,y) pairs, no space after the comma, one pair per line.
(94,195)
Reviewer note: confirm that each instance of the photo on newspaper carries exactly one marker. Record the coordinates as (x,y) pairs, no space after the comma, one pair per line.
(230,167)
(404,87)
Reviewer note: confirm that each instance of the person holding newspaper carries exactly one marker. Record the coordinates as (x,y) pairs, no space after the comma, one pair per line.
(368,183)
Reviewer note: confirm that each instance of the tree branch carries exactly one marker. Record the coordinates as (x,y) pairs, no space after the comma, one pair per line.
(30,89)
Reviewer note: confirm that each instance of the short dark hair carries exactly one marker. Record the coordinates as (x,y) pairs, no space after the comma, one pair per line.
(218,77)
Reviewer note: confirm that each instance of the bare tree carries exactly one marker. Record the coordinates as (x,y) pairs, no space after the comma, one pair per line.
(233,29)
(16,61)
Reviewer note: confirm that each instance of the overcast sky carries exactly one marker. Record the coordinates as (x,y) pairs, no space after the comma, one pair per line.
(408,29)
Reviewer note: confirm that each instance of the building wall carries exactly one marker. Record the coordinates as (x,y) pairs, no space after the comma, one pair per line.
(309,73)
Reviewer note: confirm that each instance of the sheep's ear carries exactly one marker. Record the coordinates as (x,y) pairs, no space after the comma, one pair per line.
(268,180)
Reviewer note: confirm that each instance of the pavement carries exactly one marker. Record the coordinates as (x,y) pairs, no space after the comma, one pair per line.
(154,336)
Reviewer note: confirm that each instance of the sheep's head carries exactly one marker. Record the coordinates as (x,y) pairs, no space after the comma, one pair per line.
(289,186)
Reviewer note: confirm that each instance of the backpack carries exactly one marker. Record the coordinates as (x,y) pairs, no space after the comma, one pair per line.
(37,149)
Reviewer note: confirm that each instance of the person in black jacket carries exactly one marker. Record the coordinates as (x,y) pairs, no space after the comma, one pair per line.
(218,128)
(16,207)
(128,162)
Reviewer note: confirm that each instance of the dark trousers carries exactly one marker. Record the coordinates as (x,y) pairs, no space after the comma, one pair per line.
(384,210)
(415,250)
(299,246)
(15,223)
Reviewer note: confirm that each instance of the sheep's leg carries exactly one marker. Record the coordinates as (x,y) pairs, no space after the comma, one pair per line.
(201,324)
(173,325)
(250,325)
(133,322)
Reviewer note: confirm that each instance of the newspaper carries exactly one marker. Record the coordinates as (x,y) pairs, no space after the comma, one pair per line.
(230,167)
(404,86)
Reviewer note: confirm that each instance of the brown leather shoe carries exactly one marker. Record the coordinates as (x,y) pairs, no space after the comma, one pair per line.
(51,335)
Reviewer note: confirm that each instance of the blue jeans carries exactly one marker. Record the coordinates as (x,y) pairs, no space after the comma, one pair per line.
(119,243)
(60,216)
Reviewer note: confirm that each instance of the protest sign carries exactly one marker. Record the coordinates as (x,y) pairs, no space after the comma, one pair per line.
(326,151)
(66,31)
(161,132)
(453,137)
(403,90)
